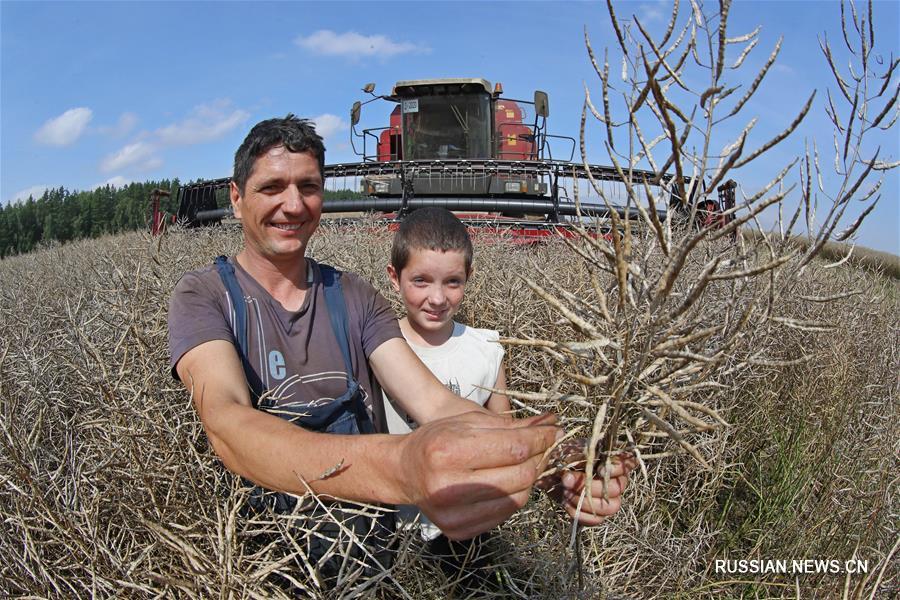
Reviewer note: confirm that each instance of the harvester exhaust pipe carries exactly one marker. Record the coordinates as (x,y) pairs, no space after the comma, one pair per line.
(217,214)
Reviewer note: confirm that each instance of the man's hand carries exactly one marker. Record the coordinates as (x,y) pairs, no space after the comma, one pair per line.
(595,507)
(470,472)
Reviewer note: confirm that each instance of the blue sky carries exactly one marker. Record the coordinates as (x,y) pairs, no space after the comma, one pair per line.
(129,91)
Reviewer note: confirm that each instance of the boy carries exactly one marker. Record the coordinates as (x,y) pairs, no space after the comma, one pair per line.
(431,261)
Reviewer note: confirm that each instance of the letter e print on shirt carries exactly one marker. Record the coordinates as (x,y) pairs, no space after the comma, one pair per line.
(276,365)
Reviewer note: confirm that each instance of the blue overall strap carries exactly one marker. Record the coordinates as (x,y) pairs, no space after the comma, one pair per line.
(226,272)
(337,312)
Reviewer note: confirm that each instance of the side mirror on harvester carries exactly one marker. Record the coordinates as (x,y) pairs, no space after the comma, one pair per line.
(541,104)
(354,113)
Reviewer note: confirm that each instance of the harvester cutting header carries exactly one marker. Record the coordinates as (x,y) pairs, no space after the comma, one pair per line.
(458,143)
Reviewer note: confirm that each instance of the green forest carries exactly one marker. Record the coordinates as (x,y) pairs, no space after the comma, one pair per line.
(60,215)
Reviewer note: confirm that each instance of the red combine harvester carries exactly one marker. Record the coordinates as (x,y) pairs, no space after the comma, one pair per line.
(458,143)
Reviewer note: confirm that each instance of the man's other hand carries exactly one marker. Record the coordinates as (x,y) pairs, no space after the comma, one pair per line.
(470,472)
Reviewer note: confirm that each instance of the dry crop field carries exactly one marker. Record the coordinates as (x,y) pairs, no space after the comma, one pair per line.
(108,487)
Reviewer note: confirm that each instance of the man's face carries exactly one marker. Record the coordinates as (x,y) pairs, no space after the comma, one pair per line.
(281,204)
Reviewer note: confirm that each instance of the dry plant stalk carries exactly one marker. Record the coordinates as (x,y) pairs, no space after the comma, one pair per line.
(675,310)
(108,487)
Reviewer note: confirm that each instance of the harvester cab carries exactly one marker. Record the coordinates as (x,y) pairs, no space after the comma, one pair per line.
(460,124)
(455,118)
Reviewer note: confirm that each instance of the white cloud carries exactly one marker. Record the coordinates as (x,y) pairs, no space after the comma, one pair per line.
(35,191)
(782,68)
(206,123)
(648,13)
(328,124)
(139,155)
(354,45)
(117,182)
(123,126)
(66,128)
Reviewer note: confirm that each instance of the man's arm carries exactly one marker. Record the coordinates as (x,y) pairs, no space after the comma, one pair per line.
(275,453)
(468,473)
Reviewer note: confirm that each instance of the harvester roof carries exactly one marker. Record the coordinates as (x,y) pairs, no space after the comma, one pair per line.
(419,87)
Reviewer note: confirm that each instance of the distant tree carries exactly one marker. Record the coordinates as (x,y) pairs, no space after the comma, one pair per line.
(30,230)
(344,193)
(5,240)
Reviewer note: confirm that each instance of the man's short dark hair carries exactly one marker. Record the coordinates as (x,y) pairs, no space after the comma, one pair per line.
(430,228)
(295,134)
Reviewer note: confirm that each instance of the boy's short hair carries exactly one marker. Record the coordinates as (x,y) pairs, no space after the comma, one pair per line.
(430,228)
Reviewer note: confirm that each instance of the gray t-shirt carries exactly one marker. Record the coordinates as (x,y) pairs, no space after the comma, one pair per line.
(294,354)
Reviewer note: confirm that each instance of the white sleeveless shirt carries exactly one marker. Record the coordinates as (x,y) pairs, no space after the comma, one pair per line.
(469,359)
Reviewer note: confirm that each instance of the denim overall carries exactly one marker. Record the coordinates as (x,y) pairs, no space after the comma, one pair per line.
(346,414)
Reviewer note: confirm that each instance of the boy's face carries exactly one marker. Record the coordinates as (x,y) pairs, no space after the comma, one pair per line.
(431,285)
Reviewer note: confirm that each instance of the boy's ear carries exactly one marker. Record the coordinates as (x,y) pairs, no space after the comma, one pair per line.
(394,277)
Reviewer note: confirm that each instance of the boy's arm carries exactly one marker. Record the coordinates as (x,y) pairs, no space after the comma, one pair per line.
(409,383)
(499,403)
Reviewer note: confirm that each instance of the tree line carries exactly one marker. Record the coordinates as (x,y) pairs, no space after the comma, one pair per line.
(61,215)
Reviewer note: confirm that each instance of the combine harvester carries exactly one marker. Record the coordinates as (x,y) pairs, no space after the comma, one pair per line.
(458,144)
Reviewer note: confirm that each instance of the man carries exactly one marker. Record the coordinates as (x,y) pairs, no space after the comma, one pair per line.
(468,470)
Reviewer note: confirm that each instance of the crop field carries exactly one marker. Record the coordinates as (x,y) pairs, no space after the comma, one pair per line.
(108,487)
